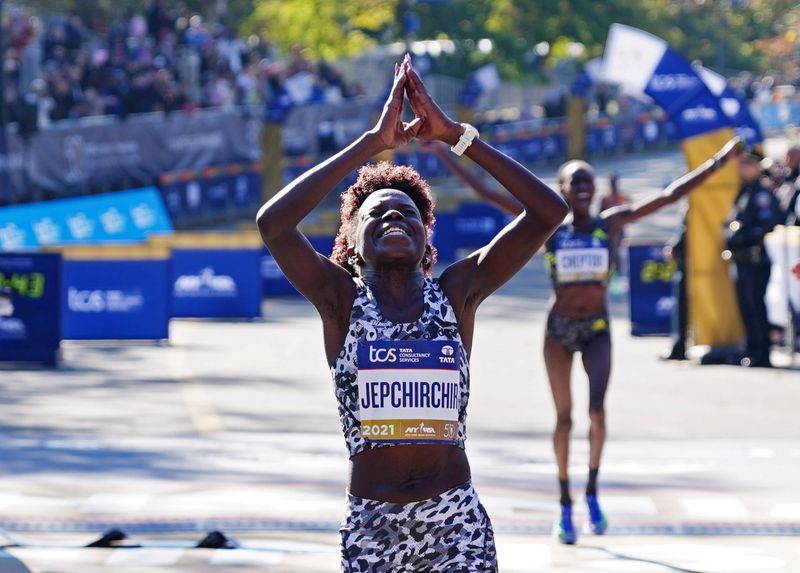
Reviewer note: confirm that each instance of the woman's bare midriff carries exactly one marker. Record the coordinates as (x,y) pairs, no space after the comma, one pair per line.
(579,300)
(408,473)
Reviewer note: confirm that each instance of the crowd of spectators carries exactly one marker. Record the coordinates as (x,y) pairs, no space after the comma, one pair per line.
(159,60)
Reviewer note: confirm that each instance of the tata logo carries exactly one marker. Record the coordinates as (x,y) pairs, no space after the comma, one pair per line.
(382,354)
(447,357)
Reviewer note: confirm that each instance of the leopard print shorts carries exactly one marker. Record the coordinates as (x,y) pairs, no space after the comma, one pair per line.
(450,533)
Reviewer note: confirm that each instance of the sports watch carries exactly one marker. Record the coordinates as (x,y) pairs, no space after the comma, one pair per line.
(465,140)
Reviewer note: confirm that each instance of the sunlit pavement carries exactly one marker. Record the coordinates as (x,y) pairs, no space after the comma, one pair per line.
(232,427)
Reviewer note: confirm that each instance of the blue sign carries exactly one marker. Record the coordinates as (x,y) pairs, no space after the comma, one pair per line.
(123,216)
(216,283)
(689,103)
(650,289)
(746,126)
(473,226)
(115,299)
(204,198)
(30,296)
(274,282)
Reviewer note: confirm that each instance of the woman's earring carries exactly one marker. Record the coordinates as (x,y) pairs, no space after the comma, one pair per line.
(353,259)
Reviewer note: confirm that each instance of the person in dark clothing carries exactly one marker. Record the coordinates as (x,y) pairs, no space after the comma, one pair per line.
(790,191)
(755,212)
(675,251)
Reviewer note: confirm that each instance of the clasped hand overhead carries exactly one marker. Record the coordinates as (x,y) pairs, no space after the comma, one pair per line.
(430,123)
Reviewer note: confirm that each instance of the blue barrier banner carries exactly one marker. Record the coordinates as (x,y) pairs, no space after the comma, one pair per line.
(216,283)
(471,227)
(197,196)
(115,299)
(274,283)
(30,298)
(125,216)
(650,289)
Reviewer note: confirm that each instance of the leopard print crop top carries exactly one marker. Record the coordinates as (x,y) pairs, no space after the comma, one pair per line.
(437,322)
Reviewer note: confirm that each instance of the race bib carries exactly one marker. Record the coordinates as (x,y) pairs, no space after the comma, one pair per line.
(581,265)
(409,391)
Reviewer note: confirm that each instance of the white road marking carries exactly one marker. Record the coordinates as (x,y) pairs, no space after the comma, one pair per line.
(628,505)
(245,557)
(790,511)
(523,556)
(706,558)
(9,497)
(114,503)
(143,556)
(721,507)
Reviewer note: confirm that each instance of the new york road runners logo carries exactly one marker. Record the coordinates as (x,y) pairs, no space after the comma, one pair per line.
(420,429)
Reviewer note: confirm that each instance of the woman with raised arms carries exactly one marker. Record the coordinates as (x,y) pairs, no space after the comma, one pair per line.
(397,340)
(579,259)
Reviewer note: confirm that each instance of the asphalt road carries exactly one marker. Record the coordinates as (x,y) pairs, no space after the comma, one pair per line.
(232,426)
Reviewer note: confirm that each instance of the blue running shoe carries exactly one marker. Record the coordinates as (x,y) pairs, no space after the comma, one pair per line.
(597,521)
(565,529)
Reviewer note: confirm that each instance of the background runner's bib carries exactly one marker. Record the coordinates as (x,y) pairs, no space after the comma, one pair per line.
(408,390)
(585,263)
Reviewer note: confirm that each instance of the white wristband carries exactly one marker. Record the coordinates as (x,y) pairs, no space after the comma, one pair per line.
(470,133)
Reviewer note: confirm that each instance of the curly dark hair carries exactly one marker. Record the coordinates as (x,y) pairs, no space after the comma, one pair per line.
(371,178)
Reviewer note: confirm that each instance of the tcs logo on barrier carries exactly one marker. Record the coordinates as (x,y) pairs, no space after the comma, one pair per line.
(382,354)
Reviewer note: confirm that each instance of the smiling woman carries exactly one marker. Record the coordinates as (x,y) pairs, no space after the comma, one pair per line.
(398,341)
(579,259)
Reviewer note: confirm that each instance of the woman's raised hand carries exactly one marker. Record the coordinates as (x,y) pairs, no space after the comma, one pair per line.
(435,125)
(391,130)
(732,149)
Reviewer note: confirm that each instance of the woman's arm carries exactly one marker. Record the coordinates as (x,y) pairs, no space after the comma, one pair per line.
(616,217)
(315,276)
(471,280)
(503,201)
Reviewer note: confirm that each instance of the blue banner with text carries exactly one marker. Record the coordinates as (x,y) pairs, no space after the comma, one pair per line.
(115,299)
(30,297)
(650,289)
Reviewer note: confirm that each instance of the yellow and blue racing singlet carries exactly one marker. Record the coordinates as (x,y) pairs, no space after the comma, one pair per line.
(579,258)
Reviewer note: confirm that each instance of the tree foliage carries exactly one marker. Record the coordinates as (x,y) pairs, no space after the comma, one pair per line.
(327,29)
(724,34)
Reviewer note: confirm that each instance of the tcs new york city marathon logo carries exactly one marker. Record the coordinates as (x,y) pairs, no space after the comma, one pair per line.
(391,355)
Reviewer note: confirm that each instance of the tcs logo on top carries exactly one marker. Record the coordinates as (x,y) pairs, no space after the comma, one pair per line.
(382,354)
